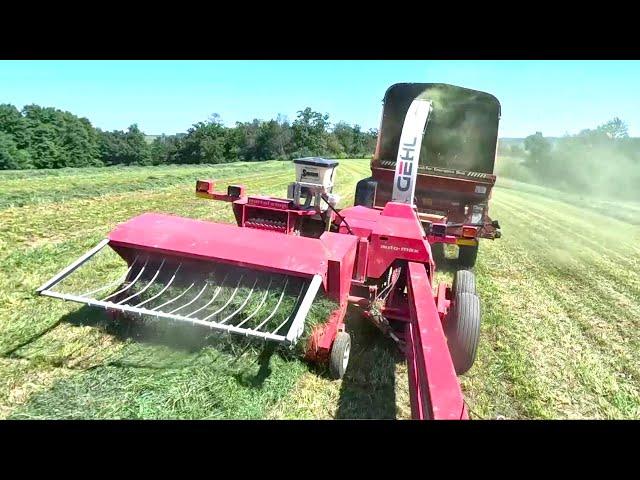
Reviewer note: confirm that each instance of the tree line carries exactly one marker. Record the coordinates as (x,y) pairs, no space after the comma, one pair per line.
(604,160)
(45,137)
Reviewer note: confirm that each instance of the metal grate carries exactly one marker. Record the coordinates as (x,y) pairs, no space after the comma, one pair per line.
(226,298)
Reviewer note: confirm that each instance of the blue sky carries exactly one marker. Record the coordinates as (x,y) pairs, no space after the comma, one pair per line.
(555,97)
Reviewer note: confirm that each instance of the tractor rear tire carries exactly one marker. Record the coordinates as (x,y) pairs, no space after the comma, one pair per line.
(340,352)
(366,192)
(467,255)
(464,281)
(463,331)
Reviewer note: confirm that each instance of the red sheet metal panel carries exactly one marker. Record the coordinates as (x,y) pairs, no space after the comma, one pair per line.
(185,237)
(396,219)
(360,274)
(393,233)
(434,387)
(342,255)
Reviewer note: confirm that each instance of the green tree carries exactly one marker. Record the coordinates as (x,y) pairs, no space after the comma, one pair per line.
(113,148)
(139,149)
(539,150)
(333,147)
(359,142)
(164,149)
(205,142)
(309,132)
(242,141)
(79,142)
(44,148)
(10,156)
(282,138)
(614,128)
(45,137)
(272,140)
(52,138)
(125,148)
(372,140)
(13,123)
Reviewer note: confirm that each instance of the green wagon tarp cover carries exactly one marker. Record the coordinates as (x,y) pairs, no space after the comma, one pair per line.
(461,133)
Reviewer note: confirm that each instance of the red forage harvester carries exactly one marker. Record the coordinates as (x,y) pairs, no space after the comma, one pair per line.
(236,278)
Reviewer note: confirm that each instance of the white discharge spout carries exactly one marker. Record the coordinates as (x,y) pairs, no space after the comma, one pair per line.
(415,122)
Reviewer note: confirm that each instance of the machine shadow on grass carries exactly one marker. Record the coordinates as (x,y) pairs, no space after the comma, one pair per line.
(186,338)
(445,262)
(368,387)
(367,390)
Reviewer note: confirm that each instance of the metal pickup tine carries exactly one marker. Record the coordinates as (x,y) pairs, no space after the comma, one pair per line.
(284,288)
(215,295)
(173,277)
(266,293)
(289,317)
(173,299)
(130,284)
(192,300)
(115,282)
(146,286)
(228,301)
(239,309)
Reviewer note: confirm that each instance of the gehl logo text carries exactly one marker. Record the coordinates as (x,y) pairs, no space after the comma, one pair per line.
(406,165)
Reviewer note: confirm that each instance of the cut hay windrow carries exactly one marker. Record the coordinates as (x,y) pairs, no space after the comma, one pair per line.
(54,186)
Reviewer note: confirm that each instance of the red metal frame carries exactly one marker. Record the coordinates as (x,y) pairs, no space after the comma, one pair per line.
(434,386)
(321,340)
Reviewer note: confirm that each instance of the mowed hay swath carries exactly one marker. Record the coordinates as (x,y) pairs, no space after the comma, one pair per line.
(559,292)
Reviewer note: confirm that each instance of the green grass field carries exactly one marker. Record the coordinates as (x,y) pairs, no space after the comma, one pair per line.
(560,294)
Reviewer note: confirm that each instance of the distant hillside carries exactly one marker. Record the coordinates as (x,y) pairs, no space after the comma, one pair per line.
(150,138)
(509,141)
(512,141)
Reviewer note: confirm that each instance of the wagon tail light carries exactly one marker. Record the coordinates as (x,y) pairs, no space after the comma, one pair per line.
(469,232)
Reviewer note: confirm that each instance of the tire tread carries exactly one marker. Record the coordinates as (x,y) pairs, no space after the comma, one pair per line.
(464,281)
(463,331)
(343,339)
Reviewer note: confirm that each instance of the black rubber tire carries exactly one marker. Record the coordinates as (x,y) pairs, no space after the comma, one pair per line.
(467,255)
(340,352)
(463,331)
(464,281)
(366,192)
